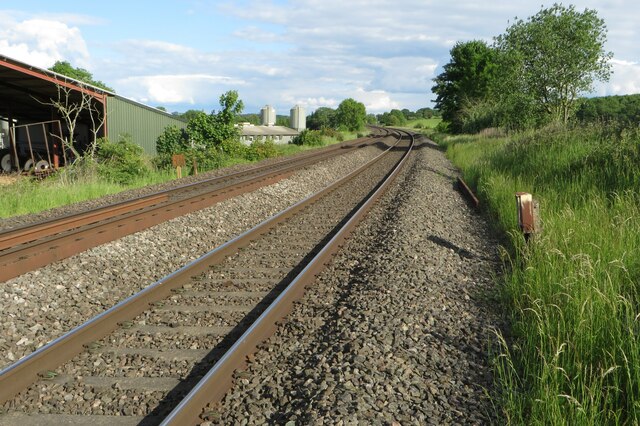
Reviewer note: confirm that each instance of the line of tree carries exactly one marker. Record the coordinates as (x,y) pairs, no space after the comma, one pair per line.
(397,117)
(624,109)
(531,75)
(350,115)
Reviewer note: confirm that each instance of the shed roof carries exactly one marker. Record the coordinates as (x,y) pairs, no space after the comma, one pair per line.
(268,131)
(26,88)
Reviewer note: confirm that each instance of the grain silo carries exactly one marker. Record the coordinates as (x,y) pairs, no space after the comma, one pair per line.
(298,118)
(268,116)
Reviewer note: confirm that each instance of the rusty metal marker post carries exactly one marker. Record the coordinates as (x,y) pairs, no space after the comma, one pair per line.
(526,214)
(178,161)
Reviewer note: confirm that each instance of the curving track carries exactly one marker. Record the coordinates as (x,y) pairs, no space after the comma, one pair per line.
(167,336)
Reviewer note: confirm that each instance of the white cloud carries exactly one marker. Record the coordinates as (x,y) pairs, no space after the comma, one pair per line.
(375,101)
(625,78)
(41,42)
(257,34)
(315,53)
(314,103)
(171,89)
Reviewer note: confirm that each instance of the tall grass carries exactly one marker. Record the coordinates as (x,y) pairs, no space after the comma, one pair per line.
(423,123)
(31,196)
(572,295)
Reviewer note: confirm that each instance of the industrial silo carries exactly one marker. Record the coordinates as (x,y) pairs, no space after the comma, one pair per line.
(268,115)
(298,118)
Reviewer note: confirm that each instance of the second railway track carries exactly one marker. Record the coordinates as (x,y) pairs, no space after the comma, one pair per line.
(32,246)
(168,336)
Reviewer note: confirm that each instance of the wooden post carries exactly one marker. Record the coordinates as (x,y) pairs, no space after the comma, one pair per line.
(195,167)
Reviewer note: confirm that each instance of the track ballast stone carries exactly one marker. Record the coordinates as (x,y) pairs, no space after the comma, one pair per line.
(43,304)
(396,330)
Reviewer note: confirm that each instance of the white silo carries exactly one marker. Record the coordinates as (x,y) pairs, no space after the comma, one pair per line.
(298,118)
(268,115)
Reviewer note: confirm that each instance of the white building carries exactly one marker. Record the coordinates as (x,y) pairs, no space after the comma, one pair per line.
(279,134)
(268,129)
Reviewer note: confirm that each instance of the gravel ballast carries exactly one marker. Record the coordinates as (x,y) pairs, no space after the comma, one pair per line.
(396,330)
(45,303)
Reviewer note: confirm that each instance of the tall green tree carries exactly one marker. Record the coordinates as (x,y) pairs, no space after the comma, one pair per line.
(465,80)
(351,115)
(548,60)
(395,117)
(65,68)
(225,119)
(216,129)
(322,118)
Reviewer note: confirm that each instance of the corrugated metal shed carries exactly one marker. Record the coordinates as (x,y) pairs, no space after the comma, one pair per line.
(144,124)
(26,92)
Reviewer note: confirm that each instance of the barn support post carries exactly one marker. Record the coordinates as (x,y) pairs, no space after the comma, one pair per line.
(15,162)
(46,144)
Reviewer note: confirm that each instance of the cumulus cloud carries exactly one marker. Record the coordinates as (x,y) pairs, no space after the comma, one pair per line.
(257,34)
(375,101)
(184,89)
(308,52)
(41,42)
(625,78)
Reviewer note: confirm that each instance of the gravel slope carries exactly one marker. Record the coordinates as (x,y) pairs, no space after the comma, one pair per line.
(45,303)
(396,330)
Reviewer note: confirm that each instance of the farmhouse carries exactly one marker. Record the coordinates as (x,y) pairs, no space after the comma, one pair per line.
(31,127)
(268,129)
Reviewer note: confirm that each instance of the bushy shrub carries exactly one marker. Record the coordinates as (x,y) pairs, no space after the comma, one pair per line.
(309,138)
(330,132)
(261,149)
(122,161)
(442,127)
(207,159)
(233,148)
(172,140)
(418,126)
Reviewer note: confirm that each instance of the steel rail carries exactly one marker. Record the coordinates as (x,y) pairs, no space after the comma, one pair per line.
(214,385)
(30,233)
(73,234)
(25,371)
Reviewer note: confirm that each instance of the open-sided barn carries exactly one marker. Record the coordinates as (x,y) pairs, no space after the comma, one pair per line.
(32,126)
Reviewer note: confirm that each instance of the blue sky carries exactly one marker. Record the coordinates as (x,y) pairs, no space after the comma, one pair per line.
(184,54)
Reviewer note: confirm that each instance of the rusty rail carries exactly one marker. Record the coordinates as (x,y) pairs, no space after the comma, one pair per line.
(467,192)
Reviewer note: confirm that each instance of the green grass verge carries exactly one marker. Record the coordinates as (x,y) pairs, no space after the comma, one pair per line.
(423,123)
(31,196)
(571,295)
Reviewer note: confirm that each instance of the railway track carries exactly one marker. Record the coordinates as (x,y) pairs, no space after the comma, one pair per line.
(148,360)
(30,247)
